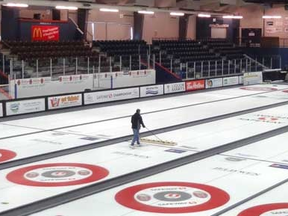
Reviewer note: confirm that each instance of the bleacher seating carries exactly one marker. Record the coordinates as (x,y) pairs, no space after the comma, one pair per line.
(208,56)
(26,50)
(132,52)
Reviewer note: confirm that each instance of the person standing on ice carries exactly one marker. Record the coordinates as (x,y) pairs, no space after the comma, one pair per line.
(136,121)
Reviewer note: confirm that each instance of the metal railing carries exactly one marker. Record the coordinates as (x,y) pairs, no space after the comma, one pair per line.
(55,67)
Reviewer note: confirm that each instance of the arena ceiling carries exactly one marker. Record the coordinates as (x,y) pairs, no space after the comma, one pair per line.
(189,6)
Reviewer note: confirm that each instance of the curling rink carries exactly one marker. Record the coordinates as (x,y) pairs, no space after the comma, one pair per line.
(236,137)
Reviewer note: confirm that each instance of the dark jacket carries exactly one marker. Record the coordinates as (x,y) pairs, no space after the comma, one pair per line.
(136,120)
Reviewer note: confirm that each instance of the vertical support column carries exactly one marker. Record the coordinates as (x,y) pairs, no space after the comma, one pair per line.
(216,68)
(209,68)
(148,60)
(228,66)
(110,64)
(187,70)
(99,64)
(139,62)
(246,66)
(120,63)
(37,71)
(194,70)
(222,67)
(201,68)
(3,63)
(64,69)
(130,63)
(88,65)
(23,65)
(11,68)
(51,73)
(76,65)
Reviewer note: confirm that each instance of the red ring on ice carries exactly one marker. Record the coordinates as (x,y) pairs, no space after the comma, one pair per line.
(6,155)
(17,176)
(126,198)
(258,210)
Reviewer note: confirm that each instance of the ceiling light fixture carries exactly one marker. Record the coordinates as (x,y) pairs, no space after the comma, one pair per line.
(109,10)
(60,7)
(177,14)
(204,15)
(271,17)
(15,5)
(232,17)
(146,12)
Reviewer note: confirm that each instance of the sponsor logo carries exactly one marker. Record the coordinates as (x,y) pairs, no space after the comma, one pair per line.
(55,102)
(178,151)
(14,107)
(210,83)
(89,138)
(266,119)
(237,171)
(246,155)
(281,166)
(151,91)
(234,159)
(195,85)
(143,197)
(37,33)
(132,154)
(177,87)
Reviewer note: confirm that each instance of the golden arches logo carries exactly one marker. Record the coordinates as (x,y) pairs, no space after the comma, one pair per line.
(37,33)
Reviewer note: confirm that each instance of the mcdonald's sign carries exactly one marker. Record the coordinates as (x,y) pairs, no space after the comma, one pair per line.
(45,33)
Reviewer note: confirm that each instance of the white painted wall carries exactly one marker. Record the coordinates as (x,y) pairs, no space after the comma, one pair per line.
(160,25)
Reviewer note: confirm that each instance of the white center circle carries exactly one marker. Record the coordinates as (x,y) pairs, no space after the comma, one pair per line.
(278,212)
(58,174)
(172,196)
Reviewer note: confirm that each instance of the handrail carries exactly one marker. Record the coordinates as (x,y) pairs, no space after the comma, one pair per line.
(77,27)
(246,56)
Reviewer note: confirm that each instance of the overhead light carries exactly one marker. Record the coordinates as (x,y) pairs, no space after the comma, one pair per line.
(131,33)
(232,17)
(146,12)
(177,14)
(16,5)
(204,15)
(109,10)
(271,17)
(60,7)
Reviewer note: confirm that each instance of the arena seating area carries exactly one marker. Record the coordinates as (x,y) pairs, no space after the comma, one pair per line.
(208,57)
(203,56)
(133,53)
(48,49)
